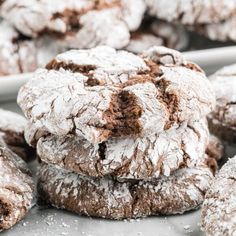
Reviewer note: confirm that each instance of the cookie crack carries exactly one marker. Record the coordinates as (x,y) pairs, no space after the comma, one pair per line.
(123,115)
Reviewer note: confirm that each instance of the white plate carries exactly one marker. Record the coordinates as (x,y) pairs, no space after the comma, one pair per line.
(209,60)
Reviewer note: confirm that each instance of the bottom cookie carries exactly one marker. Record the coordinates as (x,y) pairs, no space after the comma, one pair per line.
(184,190)
(16,188)
(218,211)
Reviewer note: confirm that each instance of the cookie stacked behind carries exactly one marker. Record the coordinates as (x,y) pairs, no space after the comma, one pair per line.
(215,19)
(222,121)
(120,135)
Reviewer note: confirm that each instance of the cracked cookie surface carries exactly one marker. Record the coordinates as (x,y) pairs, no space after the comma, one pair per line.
(142,158)
(222,121)
(109,198)
(16,188)
(218,211)
(102,93)
(82,24)
(191,12)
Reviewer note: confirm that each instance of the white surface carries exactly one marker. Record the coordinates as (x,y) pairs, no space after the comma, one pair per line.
(212,59)
(209,59)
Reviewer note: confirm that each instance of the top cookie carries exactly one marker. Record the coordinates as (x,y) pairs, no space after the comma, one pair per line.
(223,118)
(218,211)
(192,12)
(83,23)
(102,93)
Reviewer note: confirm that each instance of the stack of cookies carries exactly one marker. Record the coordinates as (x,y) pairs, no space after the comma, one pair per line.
(120,135)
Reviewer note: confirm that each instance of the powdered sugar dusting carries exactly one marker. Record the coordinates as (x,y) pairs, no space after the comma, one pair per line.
(61,101)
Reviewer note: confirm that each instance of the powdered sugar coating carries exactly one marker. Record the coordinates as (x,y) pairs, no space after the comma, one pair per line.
(157,33)
(16,189)
(223,118)
(192,12)
(109,198)
(143,158)
(83,24)
(87,91)
(218,212)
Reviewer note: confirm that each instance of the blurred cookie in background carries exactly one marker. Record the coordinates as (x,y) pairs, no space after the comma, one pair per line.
(12,129)
(82,24)
(222,121)
(154,32)
(190,12)
(224,31)
(20,54)
(215,148)
(17,53)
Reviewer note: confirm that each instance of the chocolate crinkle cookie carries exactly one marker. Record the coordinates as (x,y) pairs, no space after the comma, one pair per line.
(19,54)
(191,12)
(222,121)
(12,127)
(116,199)
(103,93)
(82,24)
(16,188)
(218,211)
